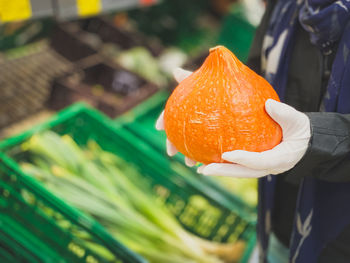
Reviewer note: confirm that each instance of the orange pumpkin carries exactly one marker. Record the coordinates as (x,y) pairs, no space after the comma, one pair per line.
(219,108)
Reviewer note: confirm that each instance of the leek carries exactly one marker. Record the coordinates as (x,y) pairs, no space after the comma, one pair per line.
(104,186)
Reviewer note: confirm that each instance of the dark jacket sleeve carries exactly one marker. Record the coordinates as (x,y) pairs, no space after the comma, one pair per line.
(328,154)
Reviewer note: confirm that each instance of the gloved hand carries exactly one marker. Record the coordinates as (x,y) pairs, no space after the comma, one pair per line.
(283,157)
(296,136)
(179,75)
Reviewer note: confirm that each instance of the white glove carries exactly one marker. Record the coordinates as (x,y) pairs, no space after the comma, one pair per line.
(283,157)
(179,75)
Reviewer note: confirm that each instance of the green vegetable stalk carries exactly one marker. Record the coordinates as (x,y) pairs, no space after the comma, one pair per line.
(104,186)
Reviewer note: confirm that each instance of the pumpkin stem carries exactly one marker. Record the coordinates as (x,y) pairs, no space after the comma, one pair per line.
(215,48)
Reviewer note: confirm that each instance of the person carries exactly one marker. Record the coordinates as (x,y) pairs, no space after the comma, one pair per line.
(302,48)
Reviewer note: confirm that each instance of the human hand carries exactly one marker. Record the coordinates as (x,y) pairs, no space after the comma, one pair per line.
(283,157)
(179,75)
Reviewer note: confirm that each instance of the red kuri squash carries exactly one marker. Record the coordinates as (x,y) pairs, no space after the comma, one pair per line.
(220,108)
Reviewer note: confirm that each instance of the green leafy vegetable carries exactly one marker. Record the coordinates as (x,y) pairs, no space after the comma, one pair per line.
(104,186)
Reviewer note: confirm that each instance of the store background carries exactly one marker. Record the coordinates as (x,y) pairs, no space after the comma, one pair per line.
(117,57)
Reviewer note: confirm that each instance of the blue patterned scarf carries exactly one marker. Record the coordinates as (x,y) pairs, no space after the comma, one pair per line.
(322,208)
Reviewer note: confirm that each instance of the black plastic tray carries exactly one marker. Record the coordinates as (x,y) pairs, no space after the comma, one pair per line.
(126,39)
(104,85)
(80,39)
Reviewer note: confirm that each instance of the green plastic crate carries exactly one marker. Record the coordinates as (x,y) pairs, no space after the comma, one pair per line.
(19,245)
(36,226)
(223,220)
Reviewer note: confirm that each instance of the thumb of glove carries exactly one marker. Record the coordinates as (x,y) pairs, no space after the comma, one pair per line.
(294,124)
(181,74)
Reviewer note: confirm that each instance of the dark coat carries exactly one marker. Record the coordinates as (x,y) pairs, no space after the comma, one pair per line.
(327,157)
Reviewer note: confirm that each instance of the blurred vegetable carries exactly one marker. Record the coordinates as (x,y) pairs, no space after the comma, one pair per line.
(118,196)
(141,61)
(245,188)
(170,59)
(124,82)
(181,23)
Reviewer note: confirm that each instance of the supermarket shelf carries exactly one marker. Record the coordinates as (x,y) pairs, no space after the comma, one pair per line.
(41,8)
(16,10)
(67,9)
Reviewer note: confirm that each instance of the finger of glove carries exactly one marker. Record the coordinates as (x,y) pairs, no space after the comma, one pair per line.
(295,124)
(232,170)
(180,74)
(189,162)
(160,122)
(283,156)
(170,148)
(201,168)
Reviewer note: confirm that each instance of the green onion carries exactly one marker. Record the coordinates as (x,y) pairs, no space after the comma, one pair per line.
(104,186)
